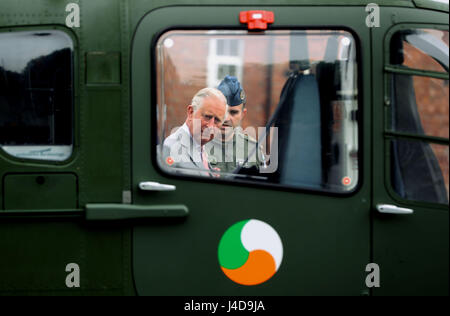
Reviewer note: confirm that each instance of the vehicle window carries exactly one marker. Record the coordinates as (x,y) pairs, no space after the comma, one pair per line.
(36,94)
(421,105)
(420,171)
(424,49)
(420,111)
(279,108)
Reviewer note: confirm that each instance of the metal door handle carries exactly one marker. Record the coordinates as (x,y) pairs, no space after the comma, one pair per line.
(155,186)
(392,209)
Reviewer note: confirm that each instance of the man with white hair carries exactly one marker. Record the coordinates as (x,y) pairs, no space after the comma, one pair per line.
(235,148)
(184,150)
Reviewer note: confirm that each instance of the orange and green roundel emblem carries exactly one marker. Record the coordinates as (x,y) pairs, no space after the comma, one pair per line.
(250,252)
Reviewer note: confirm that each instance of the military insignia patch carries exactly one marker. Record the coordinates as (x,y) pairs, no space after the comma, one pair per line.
(242,95)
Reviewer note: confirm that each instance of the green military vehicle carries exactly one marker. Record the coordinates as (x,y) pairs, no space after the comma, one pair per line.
(347,100)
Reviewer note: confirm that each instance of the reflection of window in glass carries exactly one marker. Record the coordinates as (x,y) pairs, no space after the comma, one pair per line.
(226,47)
(36,94)
(301,124)
(420,106)
(225,70)
(225,57)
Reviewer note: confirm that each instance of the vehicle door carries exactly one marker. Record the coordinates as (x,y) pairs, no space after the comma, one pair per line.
(304,214)
(410,182)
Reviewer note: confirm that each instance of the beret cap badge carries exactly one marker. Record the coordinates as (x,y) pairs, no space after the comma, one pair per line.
(232,90)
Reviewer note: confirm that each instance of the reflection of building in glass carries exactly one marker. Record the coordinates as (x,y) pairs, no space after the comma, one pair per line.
(261,67)
(316,129)
(262,64)
(432,97)
(225,58)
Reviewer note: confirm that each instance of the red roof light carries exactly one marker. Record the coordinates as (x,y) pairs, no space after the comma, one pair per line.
(256,19)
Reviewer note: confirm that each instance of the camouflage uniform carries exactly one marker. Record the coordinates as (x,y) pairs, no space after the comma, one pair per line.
(228,156)
(228,159)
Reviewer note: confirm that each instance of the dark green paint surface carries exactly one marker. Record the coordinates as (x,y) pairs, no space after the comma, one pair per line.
(103,68)
(327,240)
(35,251)
(40,191)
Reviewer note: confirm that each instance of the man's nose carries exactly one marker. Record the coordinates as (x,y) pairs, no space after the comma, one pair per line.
(219,124)
(211,123)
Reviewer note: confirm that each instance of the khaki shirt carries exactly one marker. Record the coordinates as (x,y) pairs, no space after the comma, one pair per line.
(233,153)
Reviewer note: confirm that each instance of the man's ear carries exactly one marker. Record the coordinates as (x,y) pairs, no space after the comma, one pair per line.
(244,113)
(190,111)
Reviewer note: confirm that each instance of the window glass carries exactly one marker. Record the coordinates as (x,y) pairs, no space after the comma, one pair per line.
(225,56)
(424,49)
(292,114)
(227,47)
(420,171)
(420,105)
(36,94)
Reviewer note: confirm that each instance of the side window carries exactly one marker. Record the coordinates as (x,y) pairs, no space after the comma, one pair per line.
(279,108)
(36,94)
(420,113)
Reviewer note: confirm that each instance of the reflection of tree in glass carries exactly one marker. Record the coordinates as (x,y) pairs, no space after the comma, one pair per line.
(35,104)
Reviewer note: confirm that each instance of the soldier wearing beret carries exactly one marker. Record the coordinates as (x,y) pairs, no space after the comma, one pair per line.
(232,149)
